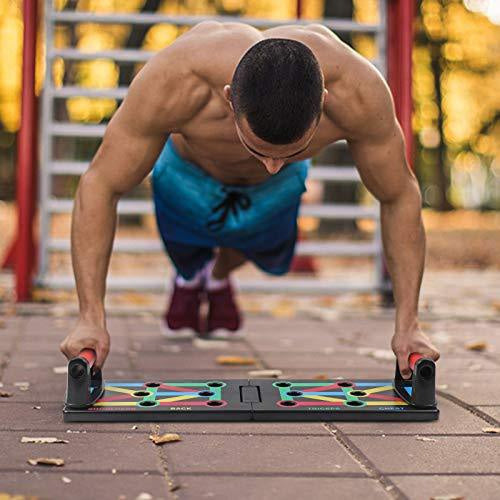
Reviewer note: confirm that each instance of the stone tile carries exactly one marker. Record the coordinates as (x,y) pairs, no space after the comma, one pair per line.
(168,373)
(448,454)
(465,364)
(346,372)
(178,361)
(30,344)
(247,428)
(21,416)
(452,420)
(295,344)
(321,361)
(473,388)
(49,484)
(43,364)
(181,348)
(123,452)
(418,487)
(259,453)
(277,488)
(462,332)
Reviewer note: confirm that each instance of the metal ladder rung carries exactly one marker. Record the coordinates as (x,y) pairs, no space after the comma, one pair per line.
(157,283)
(340,211)
(325,248)
(318,172)
(124,55)
(74,91)
(334,173)
(144,207)
(338,248)
(125,207)
(336,24)
(65,129)
(68,167)
(121,55)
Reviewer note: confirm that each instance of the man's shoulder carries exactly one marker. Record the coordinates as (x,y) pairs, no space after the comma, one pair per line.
(358,95)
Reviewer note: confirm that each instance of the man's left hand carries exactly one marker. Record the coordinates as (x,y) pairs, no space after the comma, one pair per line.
(413,340)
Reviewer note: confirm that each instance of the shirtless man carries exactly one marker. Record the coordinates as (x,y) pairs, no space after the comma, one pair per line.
(228,116)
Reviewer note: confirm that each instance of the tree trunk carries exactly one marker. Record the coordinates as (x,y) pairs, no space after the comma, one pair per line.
(442,170)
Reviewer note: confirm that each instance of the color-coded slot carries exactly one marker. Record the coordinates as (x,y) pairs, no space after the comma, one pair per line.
(326,393)
(178,398)
(382,396)
(305,403)
(320,388)
(125,384)
(379,389)
(119,389)
(386,403)
(178,387)
(326,398)
(176,393)
(112,398)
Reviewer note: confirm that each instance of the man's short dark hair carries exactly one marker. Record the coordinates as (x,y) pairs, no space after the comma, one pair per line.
(277,86)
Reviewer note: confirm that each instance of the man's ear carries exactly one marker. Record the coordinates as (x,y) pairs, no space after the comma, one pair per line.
(325,96)
(227,95)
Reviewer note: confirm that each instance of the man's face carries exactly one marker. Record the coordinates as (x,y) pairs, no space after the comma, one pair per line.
(273,156)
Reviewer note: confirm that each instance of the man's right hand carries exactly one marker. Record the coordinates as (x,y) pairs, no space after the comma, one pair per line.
(87,336)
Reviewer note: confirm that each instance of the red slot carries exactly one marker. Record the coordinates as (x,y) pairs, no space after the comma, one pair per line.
(414,357)
(89,355)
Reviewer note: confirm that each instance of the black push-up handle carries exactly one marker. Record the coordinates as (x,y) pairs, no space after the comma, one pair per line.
(422,382)
(84,385)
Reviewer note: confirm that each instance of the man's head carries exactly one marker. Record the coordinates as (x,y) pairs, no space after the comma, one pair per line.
(277,95)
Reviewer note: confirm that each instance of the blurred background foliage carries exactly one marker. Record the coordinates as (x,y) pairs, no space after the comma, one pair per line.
(456,79)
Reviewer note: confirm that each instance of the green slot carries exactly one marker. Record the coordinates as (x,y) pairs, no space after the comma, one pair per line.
(346,391)
(217,393)
(152,396)
(283,394)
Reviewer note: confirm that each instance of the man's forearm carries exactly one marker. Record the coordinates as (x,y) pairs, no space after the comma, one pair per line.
(92,232)
(404,246)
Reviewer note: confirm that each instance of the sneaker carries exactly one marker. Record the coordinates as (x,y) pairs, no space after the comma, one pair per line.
(224,317)
(182,318)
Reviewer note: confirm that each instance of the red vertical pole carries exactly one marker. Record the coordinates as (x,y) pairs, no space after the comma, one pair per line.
(399,58)
(399,64)
(26,158)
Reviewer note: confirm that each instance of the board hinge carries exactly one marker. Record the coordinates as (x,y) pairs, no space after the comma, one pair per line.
(250,394)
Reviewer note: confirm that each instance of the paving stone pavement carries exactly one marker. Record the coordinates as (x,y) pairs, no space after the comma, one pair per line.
(255,461)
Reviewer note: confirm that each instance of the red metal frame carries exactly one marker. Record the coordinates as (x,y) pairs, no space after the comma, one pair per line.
(400,16)
(21,254)
(399,56)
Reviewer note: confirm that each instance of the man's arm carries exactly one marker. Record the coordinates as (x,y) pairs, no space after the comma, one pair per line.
(156,105)
(378,149)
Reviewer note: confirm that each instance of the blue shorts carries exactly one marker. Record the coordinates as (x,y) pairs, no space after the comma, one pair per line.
(196,213)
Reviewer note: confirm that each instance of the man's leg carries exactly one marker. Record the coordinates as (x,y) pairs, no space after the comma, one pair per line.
(223,312)
(227,260)
(183,313)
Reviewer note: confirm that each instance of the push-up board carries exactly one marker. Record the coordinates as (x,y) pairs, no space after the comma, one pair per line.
(257,399)
(89,399)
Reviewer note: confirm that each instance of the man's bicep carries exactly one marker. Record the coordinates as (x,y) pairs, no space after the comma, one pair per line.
(125,157)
